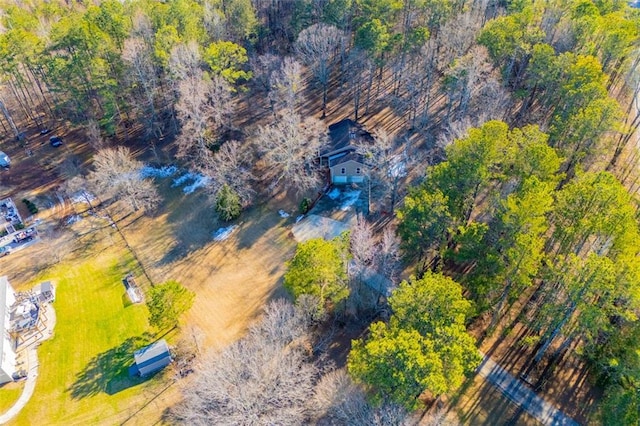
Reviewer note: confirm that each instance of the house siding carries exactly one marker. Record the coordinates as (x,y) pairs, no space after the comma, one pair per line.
(350,174)
(7,353)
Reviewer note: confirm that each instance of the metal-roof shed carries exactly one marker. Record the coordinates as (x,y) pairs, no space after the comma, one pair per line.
(152,358)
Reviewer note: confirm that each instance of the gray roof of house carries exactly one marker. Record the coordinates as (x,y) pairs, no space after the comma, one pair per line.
(352,156)
(339,135)
(45,286)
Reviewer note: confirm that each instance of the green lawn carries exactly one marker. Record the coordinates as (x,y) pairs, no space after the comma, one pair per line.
(83,370)
(9,394)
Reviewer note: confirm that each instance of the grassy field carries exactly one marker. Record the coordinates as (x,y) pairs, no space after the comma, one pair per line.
(9,394)
(83,376)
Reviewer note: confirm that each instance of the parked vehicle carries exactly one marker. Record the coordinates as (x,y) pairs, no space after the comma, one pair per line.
(19,375)
(5,161)
(4,251)
(55,141)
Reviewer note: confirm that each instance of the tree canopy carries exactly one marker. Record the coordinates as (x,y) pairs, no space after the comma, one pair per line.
(167,302)
(318,268)
(424,346)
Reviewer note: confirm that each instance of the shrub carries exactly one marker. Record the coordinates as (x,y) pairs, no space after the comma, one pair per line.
(228,204)
(33,209)
(305,205)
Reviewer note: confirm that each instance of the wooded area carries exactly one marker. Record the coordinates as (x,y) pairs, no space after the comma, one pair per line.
(516,122)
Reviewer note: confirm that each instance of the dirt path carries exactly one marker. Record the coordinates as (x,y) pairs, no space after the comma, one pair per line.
(524,397)
(32,374)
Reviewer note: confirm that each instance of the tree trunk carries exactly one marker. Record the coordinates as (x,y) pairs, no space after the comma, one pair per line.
(324,99)
(6,114)
(549,340)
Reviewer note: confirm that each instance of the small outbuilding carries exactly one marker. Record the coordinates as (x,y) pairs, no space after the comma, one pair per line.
(151,358)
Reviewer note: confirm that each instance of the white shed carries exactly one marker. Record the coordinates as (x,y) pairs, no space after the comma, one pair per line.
(152,358)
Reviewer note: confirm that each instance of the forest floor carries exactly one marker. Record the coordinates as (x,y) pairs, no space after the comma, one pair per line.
(481,403)
(565,385)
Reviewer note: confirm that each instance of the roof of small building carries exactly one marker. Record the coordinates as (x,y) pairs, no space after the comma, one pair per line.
(151,354)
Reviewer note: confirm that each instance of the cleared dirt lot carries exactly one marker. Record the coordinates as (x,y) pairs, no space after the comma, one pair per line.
(233,278)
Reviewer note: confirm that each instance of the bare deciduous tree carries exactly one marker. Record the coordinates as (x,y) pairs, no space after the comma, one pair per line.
(231,166)
(338,400)
(474,88)
(385,167)
(363,249)
(264,67)
(289,148)
(185,61)
(214,20)
(357,65)
(143,75)
(93,134)
(117,174)
(283,323)
(203,108)
(373,266)
(317,46)
(492,100)
(265,378)
(186,351)
(362,246)
(465,78)
(388,254)
(286,85)
(78,185)
(456,37)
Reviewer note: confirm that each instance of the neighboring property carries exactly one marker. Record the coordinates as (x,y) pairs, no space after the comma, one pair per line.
(9,217)
(45,292)
(151,358)
(344,163)
(7,348)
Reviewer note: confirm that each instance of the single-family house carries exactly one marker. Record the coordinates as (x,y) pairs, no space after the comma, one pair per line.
(345,163)
(7,348)
(152,358)
(9,216)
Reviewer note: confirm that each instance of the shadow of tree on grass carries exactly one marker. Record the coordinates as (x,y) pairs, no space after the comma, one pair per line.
(108,372)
